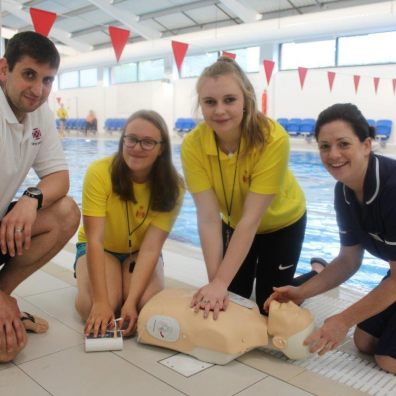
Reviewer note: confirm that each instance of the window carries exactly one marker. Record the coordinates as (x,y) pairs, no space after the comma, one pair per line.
(68,80)
(247,58)
(124,73)
(308,54)
(151,70)
(194,64)
(366,49)
(88,78)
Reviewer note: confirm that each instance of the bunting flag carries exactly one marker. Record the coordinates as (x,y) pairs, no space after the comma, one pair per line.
(268,69)
(356,81)
(228,54)
(302,73)
(42,20)
(376,82)
(331,76)
(119,38)
(394,85)
(179,52)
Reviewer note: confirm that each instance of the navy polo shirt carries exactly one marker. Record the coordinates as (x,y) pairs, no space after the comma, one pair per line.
(373,223)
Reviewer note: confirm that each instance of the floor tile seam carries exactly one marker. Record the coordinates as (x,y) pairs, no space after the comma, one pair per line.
(36,359)
(253,384)
(46,291)
(151,374)
(34,380)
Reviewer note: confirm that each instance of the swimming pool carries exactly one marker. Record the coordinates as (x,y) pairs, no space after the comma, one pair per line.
(321,238)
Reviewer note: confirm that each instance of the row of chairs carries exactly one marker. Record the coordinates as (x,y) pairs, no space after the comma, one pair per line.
(114,124)
(298,126)
(184,125)
(73,124)
(306,127)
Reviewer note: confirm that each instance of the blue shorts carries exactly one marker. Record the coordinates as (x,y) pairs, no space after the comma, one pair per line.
(81,250)
(383,327)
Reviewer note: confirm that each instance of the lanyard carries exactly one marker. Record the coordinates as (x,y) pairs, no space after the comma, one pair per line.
(138,226)
(228,207)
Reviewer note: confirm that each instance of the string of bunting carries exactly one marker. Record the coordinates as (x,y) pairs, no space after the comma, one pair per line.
(43,22)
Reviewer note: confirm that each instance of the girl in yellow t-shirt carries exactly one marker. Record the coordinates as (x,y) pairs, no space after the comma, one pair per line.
(236,165)
(130,202)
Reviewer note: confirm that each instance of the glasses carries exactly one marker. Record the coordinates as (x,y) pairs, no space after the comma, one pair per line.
(146,144)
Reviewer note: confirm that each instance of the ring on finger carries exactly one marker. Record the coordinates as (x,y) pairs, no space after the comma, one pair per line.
(205,301)
(18,230)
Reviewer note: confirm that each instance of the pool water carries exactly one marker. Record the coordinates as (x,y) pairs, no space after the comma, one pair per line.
(321,238)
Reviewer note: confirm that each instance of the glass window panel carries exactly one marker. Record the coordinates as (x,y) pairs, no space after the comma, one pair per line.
(68,80)
(366,49)
(88,77)
(247,58)
(308,54)
(124,73)
(151,70)
(194,64)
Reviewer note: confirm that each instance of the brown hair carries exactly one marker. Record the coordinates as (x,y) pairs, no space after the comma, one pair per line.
(253,122)
(164,181)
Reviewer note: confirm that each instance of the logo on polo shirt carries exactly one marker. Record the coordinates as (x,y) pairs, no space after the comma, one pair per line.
(36,135)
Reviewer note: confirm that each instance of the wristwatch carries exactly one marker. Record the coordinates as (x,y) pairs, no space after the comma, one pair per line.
(34,192)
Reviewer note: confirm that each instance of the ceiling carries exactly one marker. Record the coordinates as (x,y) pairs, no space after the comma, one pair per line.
(82,25)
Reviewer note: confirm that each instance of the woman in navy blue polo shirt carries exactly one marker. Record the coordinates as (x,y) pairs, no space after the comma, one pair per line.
(365,196)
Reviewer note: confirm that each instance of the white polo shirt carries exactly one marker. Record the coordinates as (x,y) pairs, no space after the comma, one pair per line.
(33,144)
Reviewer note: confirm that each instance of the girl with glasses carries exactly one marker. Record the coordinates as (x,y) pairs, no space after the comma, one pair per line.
(130,202)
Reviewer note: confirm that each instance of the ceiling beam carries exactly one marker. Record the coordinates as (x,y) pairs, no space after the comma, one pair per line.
(16,9)
(177,9)
(246,14)
(127,18)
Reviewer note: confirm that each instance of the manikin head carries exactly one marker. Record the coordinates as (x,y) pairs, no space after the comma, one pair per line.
(289,325)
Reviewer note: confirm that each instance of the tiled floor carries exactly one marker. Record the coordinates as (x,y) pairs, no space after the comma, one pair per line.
(55,363)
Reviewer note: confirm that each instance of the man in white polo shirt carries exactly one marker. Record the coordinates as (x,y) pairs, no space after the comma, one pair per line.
(35,227)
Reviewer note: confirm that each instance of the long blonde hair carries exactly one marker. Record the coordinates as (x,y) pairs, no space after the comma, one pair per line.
(255,125)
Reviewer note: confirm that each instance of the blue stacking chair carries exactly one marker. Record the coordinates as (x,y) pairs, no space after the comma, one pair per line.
(307,128)
(371,122)
(293,127)
(383,130)
(284,122)
(179,124)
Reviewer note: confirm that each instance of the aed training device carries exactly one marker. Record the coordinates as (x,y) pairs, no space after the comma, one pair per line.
(111,341)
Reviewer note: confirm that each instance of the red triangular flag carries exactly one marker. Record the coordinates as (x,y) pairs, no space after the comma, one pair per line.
(119,38)
(356,80)
(302,73)
(394,85)
(268,68)
(179,52)
(229,54)
(376,82)
(331,76)
(42,20)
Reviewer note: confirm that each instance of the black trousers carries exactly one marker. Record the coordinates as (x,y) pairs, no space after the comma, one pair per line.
(272,261)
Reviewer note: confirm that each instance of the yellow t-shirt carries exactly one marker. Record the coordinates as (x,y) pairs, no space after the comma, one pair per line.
(99,200)
(262,173)
(62,113)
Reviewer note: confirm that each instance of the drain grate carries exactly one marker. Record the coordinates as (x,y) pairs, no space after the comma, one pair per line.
(348,368)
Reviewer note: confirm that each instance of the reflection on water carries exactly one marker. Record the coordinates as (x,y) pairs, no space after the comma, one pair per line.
(321,238)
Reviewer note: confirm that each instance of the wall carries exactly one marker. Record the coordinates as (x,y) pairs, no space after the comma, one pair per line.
(285,96)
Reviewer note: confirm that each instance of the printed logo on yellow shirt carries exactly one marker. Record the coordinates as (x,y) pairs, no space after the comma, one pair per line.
(246,177)
(140,213)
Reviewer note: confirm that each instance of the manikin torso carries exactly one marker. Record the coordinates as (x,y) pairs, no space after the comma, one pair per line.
(168,321)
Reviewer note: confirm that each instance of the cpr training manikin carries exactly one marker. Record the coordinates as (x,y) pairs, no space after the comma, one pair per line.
(168,321)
